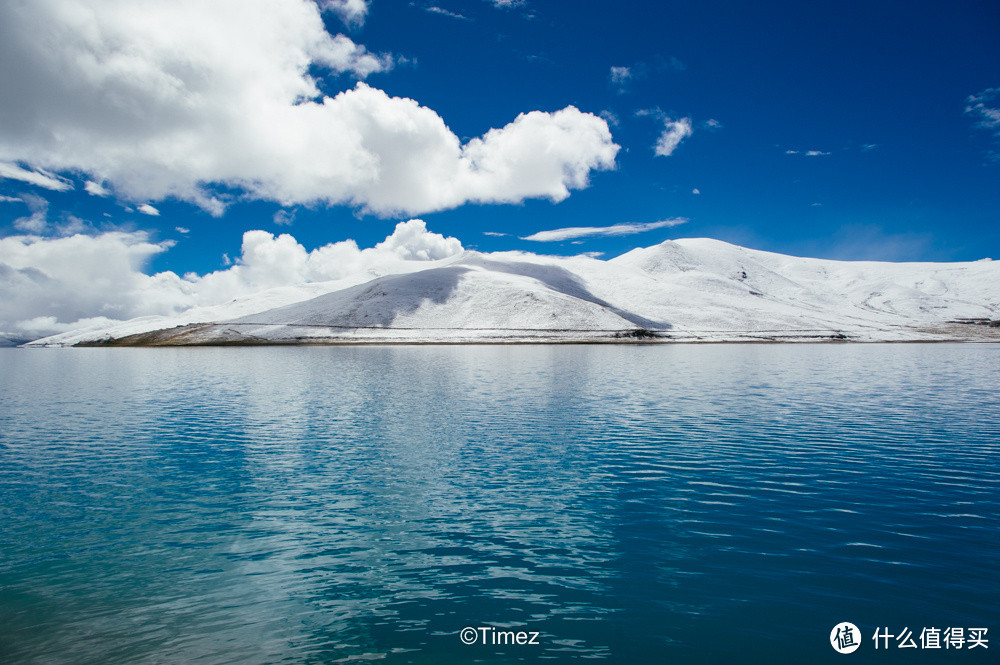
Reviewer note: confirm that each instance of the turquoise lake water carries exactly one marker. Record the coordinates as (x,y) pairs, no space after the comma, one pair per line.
(630,504)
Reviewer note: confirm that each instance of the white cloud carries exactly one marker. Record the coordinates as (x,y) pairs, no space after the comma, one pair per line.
(696,191)
(77,277)
(8,199)
(50,285)
(807,153)
(611,117)
(434,9)
(538,155)
(182,230)
(147,209)
(39,178)
(495,234)
(556,235)
(411,241)
(506,4)
(167,99)
(73,225)
(985,108)
(284,217)
(351,12)
(674,131)
(50,325)
(620,76)
(96,189)
(37,221)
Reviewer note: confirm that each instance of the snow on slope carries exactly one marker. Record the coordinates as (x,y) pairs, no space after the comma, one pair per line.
(716,277)
(690,289)
(461,295)
(258,302)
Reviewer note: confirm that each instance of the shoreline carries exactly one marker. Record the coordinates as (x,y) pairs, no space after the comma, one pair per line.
(256,334)
(748,338)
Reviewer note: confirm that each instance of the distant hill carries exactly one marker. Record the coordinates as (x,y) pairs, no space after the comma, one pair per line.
(684,290)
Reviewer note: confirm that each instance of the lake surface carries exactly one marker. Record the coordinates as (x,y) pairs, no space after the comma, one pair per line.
(631,504)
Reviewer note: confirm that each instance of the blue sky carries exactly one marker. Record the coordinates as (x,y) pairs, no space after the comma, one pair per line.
(853,130)
(881,87)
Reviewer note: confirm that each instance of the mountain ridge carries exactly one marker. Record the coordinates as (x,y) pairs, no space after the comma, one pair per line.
(694,289)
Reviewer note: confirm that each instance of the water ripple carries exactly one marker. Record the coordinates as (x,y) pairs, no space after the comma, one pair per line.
(314,505)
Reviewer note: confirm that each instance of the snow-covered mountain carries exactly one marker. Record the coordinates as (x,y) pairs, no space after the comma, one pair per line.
(683,290)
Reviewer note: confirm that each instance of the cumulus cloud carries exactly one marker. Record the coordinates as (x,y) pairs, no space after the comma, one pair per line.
(8,199)
(538,155)
(147,209)
(175,99)
(40,178)
(556,235)
(411,241)
(50,285)
(78,277)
